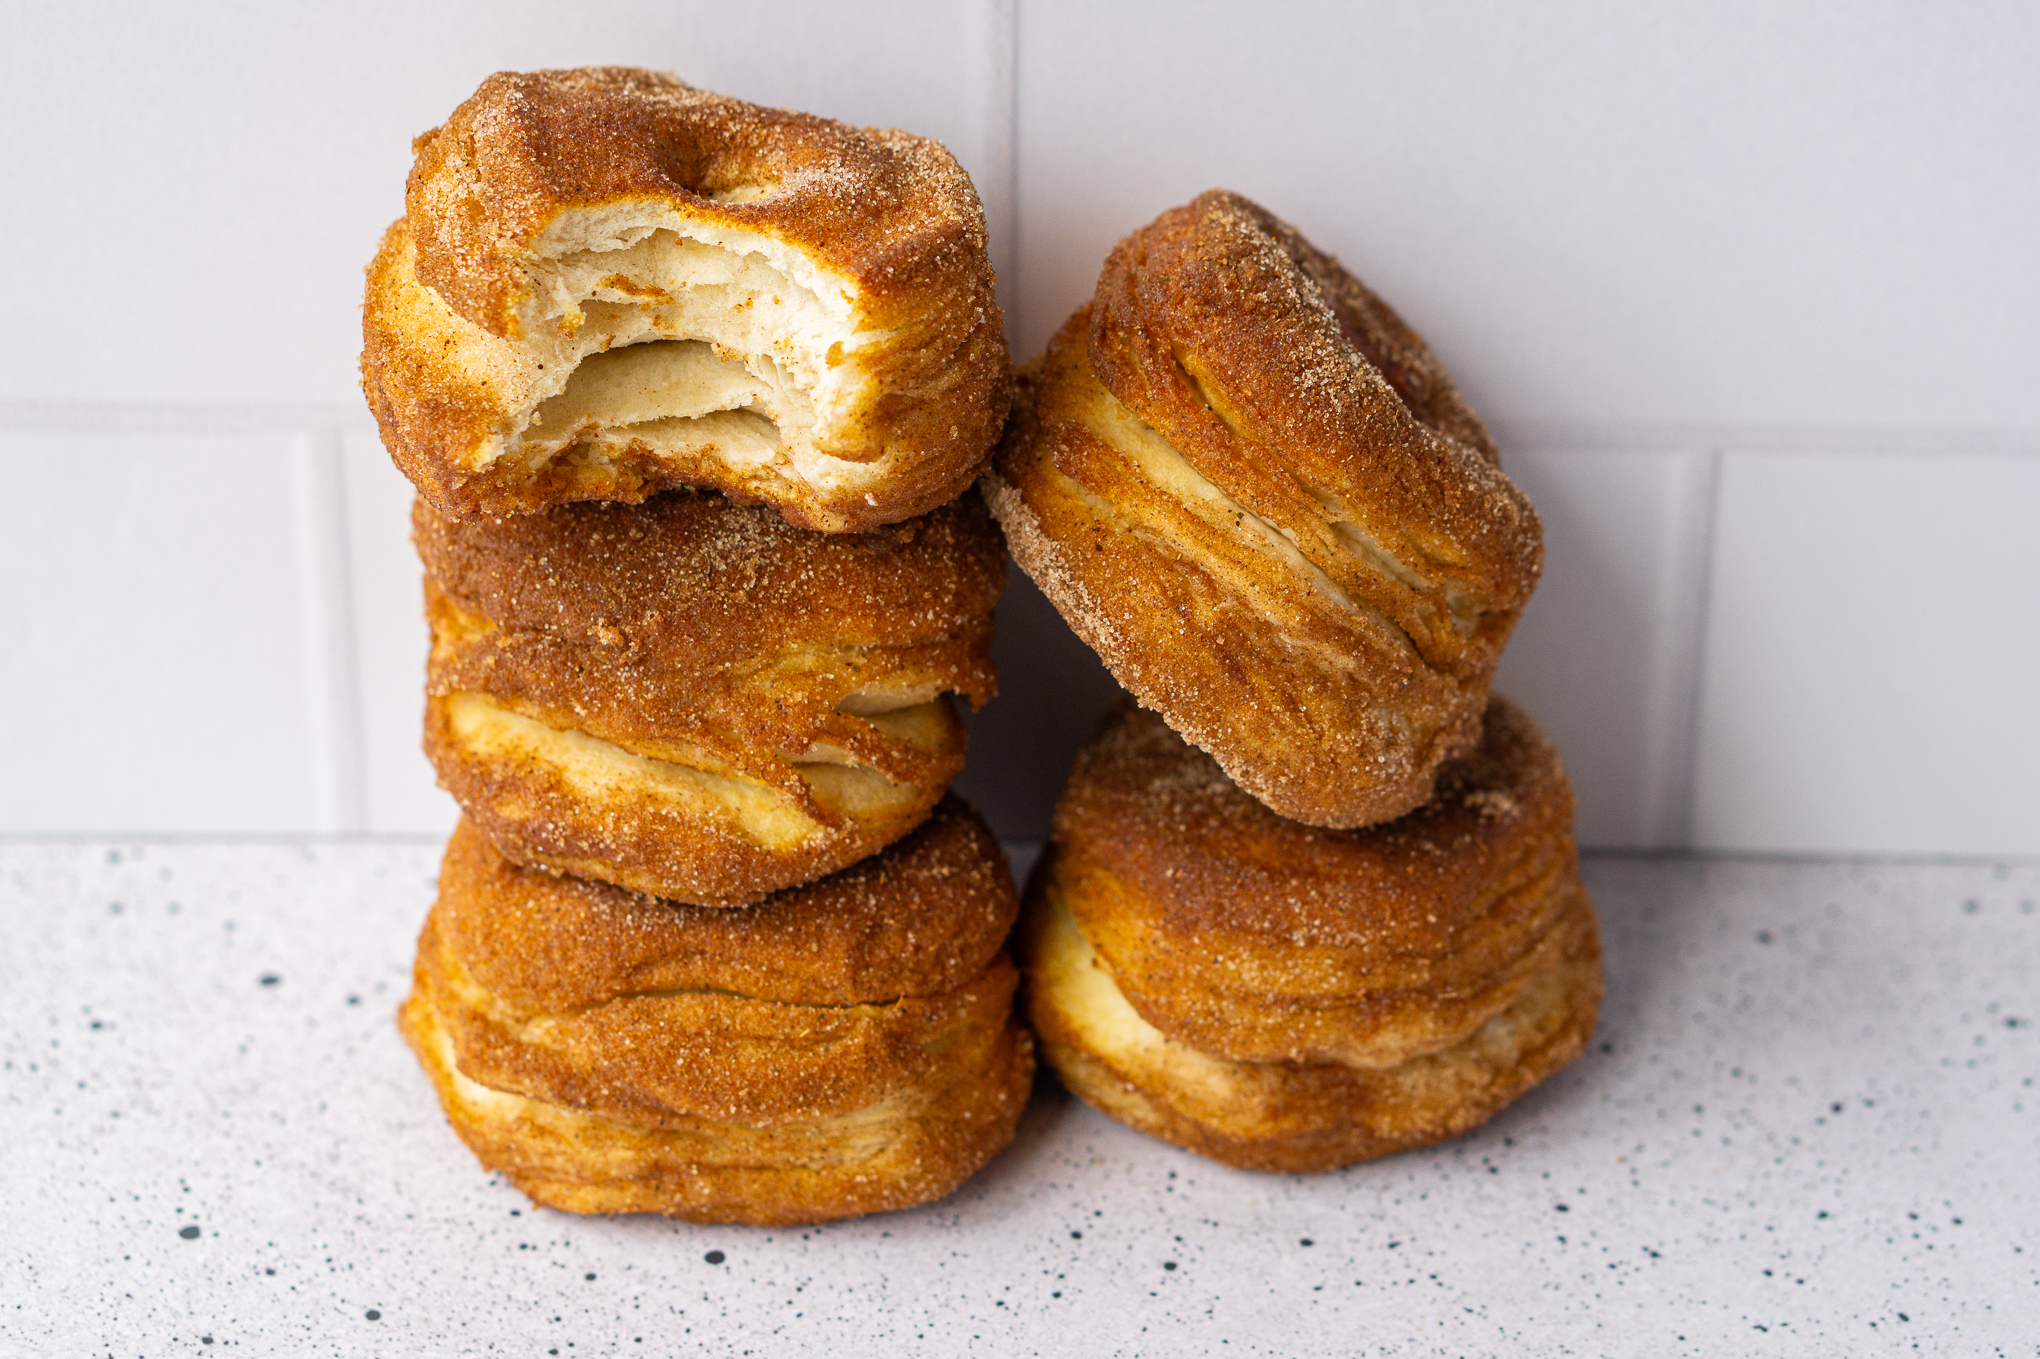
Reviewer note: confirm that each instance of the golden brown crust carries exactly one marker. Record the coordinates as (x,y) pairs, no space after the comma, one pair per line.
(889,210)
(669,1056)
(1297,1117)
(1251,937)
(559,213)
(798,1062)
(704,1171)
(923,918)
(1258,496)
(694,699)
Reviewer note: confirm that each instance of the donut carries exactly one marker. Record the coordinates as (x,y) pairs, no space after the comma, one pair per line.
(842,1048)
(1280,996)
(1258,496)
(693,699)
(607,283)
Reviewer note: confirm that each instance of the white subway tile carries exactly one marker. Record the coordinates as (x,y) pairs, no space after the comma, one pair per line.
(1728,212)
(1604,653)
(1872,642)
(389,645)
(211,179)
(155,669)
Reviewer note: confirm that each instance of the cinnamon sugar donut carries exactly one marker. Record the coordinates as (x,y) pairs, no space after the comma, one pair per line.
(842,1048)
(1256,493)
(608,282)
(693,699)
(1284,997)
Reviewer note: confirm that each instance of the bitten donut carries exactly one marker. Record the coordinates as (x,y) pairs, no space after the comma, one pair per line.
(1257,494)
(846,1047)
(1284,997)
(607,283)
(693,699)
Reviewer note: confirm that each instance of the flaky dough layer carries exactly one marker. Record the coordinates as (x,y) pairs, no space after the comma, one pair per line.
(608,282)
(692,698)
(797,1062)
(1256,493)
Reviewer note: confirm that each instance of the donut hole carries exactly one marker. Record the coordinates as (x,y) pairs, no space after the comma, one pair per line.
(1368,343)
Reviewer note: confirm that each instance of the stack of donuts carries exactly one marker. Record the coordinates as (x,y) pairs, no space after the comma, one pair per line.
(691,391)
(1314,898)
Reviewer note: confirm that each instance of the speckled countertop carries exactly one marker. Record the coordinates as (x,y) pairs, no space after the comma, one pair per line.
(1808,1126)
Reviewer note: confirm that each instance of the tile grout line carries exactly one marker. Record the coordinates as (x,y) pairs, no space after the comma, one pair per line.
(168,418)
(1001,146)
(1648,438)
(1679,665)
(1001,114)
(332,672)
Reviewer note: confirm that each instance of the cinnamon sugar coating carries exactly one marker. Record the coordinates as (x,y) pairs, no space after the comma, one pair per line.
(1257,494)
(842,1048)
(608,282)
(1289,997)
(692,698)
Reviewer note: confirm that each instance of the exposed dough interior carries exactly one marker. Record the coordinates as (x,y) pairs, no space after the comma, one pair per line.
(683,338)
(903,699)
(674,395)
(604,772)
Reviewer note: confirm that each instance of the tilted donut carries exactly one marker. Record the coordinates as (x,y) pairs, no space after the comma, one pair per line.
(1256,493)
(1284,997)
(694,699)
(842,1048)
(607,283)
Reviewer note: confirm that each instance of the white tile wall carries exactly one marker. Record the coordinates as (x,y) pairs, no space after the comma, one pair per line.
(399,792)
(1606,652)
(1873,644)
(210,179)
(1643,237)
(157,643)
(1724,211)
